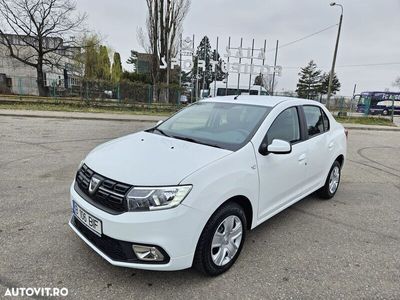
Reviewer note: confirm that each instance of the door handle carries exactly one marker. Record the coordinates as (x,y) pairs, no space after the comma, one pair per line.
(302,157)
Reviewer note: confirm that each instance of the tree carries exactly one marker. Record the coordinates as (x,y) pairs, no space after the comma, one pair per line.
(396,83)
(163,28)
(132,60)
(43,29)
(116,70)
(205,52)
(266,82)
(309,82)
(104,64)
(91,56)
(218,74)
(325,84)
(135,77)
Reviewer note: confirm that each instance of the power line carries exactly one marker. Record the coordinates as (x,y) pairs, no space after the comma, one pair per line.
(351,66)
(373,64)
(305,37)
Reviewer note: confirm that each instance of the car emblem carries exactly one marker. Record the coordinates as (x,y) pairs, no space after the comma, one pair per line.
(94,184)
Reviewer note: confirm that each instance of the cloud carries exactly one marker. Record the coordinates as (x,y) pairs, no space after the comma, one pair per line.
(369,33)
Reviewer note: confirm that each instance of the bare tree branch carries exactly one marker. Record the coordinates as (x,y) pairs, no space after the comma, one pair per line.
(163,27)
(35,32)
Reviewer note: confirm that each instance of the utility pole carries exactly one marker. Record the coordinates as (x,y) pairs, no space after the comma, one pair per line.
(335,53)
(273,74)
(180,61)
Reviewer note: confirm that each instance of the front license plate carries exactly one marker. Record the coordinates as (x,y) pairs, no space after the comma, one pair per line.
(87,219)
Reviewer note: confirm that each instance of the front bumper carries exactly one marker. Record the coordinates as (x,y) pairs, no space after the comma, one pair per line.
(176,231)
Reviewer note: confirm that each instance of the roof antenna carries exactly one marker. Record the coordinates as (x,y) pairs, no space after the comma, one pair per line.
(235,98)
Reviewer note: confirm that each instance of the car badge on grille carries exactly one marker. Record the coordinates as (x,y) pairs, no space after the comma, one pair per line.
(94,184)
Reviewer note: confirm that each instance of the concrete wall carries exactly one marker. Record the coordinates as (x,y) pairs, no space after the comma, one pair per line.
(24,76)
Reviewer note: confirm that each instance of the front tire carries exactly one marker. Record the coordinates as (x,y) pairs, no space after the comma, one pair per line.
(221,241)
(332,182)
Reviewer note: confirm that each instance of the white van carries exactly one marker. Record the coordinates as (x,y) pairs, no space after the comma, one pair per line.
(219,88)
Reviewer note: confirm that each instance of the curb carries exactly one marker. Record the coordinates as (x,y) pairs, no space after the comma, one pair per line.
(154,119)
(94,118)
(373,129)
(377,128)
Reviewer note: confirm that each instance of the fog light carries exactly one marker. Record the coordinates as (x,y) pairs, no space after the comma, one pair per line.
(147,253)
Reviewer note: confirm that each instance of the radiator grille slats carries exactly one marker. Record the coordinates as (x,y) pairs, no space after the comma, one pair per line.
(110,193)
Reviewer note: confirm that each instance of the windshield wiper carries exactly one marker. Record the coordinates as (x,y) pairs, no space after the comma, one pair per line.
(188,139)
(161,131)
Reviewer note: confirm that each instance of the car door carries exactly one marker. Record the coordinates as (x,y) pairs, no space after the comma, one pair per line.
(282,176)
(319,144)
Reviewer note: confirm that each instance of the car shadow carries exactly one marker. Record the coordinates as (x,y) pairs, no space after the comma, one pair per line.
(191,277)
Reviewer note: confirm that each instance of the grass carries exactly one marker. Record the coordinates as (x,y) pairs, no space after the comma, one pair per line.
(84,108)
(365,120)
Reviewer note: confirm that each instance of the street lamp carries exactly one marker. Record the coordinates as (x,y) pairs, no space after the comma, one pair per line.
(335,53)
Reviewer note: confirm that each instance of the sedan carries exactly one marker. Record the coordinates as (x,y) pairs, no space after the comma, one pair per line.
(185,192)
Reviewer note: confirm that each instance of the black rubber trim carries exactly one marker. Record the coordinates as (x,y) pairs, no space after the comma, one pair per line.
(116,250)
(303,123)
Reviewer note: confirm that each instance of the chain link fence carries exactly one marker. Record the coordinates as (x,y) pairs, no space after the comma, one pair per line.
(97,92)
(138,95)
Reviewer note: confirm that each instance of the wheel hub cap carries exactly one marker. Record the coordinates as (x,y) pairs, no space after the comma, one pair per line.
(226,240)
(334,179)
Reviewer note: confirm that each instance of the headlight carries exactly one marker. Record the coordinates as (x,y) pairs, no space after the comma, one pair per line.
(154,198)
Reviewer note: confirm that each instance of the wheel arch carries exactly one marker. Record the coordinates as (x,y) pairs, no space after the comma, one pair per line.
(340,160)
(245,203)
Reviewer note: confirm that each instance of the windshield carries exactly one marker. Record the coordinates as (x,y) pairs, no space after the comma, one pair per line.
(364,99)
(223,125)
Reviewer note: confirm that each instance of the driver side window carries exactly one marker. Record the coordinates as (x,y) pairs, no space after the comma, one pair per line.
(285,127)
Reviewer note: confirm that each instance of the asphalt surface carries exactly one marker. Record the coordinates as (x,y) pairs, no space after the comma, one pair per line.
(348,247)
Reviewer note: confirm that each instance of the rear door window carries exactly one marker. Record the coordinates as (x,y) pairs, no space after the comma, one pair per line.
(314,120)
(325,120)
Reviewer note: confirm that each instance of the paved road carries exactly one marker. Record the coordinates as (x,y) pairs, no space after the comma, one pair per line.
(396,120)
(344,248)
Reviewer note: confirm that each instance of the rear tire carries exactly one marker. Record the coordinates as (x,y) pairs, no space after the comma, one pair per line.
(385,112)
(221,241)
(332,182)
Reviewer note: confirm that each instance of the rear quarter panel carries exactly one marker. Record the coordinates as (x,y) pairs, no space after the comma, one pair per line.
(336,134)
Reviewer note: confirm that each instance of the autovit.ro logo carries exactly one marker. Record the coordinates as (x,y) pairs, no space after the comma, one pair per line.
(36,291)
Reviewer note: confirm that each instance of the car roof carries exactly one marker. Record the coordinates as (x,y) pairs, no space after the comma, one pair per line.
(269,101)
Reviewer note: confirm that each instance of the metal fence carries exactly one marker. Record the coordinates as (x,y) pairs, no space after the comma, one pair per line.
(137,95)
(124,91)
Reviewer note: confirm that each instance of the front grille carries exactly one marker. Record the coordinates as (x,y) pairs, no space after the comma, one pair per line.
(114,249)
(109,195)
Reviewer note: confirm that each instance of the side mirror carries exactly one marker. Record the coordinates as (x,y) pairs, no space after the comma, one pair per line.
(276,147)
(279,147)
(159,122)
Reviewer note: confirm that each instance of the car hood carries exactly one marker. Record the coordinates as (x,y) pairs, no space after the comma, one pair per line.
(150,159)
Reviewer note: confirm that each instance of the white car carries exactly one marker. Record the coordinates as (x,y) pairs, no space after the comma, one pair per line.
(184,192)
